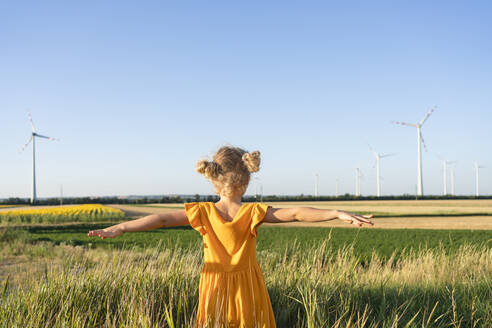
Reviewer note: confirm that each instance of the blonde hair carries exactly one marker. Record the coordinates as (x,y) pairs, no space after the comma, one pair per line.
(230,169)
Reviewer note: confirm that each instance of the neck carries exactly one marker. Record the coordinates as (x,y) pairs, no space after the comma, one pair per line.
(234,199)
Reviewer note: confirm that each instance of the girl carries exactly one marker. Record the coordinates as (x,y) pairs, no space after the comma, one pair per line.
(232,289)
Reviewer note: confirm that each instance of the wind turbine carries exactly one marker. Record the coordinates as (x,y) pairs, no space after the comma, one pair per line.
(357,181)
(316,178)
(420,140)
(378,169)
(255,179)
(445,175)
(477,167)
(34,134)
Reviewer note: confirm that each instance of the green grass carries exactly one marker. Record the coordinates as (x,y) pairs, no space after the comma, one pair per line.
(385,242)
(315,287)
(57,276)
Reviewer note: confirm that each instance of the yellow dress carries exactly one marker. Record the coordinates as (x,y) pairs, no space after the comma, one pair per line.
(232,288)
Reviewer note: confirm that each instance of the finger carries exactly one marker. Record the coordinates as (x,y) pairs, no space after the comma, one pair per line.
(368,222)
(370,216)
(360,220)
(363,219)
(97,234)
(356,223)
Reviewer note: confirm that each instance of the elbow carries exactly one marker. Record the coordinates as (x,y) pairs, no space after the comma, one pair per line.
(296,214)
(163,221)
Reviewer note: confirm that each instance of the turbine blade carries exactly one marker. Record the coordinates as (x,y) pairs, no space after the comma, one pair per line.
(404,123)
(30,120)
(387,155)
(27,144)
(427,115)
(50,138)
(423,142)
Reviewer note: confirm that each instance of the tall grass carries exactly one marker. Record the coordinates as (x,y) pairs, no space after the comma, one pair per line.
(318,287)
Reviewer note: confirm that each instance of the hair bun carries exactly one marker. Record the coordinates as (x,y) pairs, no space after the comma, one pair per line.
(210,170)
(252,161)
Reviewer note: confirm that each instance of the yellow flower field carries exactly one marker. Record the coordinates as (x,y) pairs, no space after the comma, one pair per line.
(76,213)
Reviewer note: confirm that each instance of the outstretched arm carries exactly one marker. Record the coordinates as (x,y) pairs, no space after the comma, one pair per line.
(309,214)
(149,222)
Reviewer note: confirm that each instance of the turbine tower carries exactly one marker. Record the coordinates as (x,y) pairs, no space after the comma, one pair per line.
(420,140)
(445,175)
(255,179)
(34,134)
(357,181)
(316,178)
(378,169)
(477,167)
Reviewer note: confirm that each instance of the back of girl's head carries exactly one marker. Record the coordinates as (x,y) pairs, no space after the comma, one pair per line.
(230,169)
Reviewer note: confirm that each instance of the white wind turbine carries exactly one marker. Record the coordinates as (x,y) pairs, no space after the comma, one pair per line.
(255,179)
(477,167)
(378,169)
(34,134)
(445,176)
(420,140)
(358,175)
(316,179)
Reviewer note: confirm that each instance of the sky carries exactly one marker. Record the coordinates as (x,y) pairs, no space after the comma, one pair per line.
(138,91)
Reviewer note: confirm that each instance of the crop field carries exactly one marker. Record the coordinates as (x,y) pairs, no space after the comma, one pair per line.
(9,206)
(59,214)
(422,214)
(54,275)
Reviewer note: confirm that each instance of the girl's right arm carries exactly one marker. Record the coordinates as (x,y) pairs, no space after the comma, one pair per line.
(309,214)
(149,222)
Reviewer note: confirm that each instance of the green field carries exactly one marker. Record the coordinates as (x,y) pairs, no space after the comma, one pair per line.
(54,275)
(316,277)
(384,242)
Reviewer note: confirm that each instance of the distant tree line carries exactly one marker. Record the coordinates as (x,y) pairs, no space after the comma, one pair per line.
(214,198)
(348,197)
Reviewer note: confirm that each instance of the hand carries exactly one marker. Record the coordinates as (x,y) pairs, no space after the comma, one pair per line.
(106,233)
(352,218)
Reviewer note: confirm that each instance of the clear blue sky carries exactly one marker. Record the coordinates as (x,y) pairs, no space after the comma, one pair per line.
(137,92)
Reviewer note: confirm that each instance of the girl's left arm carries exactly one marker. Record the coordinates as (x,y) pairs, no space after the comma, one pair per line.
(309,214)
(149,222)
